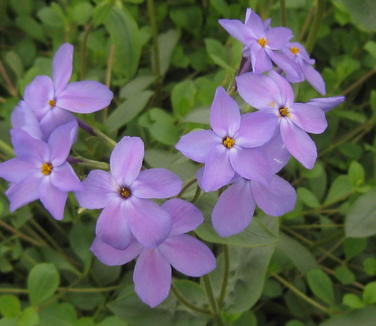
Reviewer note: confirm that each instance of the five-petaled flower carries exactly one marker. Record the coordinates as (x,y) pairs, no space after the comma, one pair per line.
(40,170)
(124,196)
(152,274)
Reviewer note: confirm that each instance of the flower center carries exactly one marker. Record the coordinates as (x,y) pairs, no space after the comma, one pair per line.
(46,168)
(52,103)
(125,192)
(262,41)
(228,142)
(294,50)
(283,111)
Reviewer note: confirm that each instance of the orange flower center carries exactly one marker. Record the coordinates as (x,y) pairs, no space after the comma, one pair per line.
(262,41)
(284,111)
(228,142)
(52,103)
(46,168)
(294,50)
(125,192)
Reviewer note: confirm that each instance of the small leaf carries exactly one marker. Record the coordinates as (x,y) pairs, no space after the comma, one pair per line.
(369,294)
(344,275)
(10,306)
(29,317)
(166,43)
(356,174)
(183,97)
(369,265)
(308,197)
(354,246)
(353,301)
(321,285)
(340,188)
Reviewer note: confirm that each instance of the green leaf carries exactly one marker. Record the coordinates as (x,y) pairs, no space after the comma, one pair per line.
(166,43)
(82,12)
(353,301)
(356,174)
(191,290)
(340,189)
(344,275)
(101,12)
(246,319)
(128,110)
(52,16)
(371,48)
(137,85)
(357,317)
(80,239)
(221,6)
(361,219)
(369,294)
(58,314)
(125,36)
(217,53)
(183,97)
(29,317)
(31,27)
(14,61)
(112,321)
(295,323)
(42,282)
(354,246)
(187,17)
(369,266)
(10,306)
(321,285)
(308,197)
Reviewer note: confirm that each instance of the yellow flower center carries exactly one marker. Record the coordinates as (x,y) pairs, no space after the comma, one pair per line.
(284,111)
(46,168)
(294,50)
(262,41)
(52,103)
(125,192)
(228,142)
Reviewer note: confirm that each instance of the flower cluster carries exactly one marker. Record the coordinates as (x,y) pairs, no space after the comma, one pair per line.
(246,151)
(243,152)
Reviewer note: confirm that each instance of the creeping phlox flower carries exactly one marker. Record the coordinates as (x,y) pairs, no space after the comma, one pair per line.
(24,118)
(152,274)
(124,196)
(52,99)
(262,43)
(230,147)
(274,97)
(40,170)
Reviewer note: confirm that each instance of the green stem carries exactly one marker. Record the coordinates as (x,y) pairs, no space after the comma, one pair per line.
(212,301)
(184,301)
(62,289)
(82,161)
(282,12)
(307,24)
(189,183)
(96,132)
(154,31)
(110,63)
(5,148)
(197,194)
(226,274)
(301,294)
(20,234)
(315,25)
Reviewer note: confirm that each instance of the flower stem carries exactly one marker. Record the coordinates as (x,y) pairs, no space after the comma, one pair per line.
(282,12)
(301,294)
(226,274)
(190,183)
(110,63)
(316,25)
(20,234)
(82,161)
(96,132)
(190,305)
(154,31)
(197,194)
(212,301)
(6,149)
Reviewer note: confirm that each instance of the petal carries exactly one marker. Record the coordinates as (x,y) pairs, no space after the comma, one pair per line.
(251,163)
(276,153)
(24,192)
(62,67)
(53,199)
(259,91)
(277,198)
(237,30)
(256,128)
(218,170)
(156,183)
(188,255)
(112,226)
(38,93)
(298,143)
(185,217)
(197,144)
(64,178)
(224,114)
(152,277)
(260,59)
(309,117)
(113,257)
(278,37)
(126,159)
(288,65)
(84,97)
(15,170)
(24,118)
(314,78)
(234,209)
(150,224)
(327,103)
(286,91)
(53,119)
(60,142)
(98,186)
(256,24)
(28,148)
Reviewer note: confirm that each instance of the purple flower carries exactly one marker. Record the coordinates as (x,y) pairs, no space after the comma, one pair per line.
(124,196)
(40,170)
(274,97)
(229,147)
(152,274)
(235,207)
(297,53)
(327,103)
(262,43)
(52,99)
(24,118)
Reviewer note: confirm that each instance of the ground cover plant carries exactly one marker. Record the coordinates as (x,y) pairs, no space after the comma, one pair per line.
(187,162)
